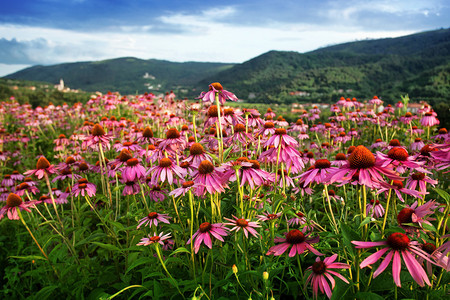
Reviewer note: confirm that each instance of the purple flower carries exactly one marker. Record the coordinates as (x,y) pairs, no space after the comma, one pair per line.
(84,187)
(156,238)
(320,272)
(43,167)
(397,246)
(13,203)
(165,171)
(243,224)
(153,218)
(298,242)
(214,88)
(217,230)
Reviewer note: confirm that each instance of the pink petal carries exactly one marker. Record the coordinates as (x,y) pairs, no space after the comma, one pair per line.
(373,258)
(383,264)
(396,268)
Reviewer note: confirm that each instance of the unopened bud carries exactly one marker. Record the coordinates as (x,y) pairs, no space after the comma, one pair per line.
(265,275)
(235,269)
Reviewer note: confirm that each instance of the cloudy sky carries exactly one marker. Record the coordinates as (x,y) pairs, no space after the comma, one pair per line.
(56,31)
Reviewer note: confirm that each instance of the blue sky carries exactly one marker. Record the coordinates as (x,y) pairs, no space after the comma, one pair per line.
(56,31)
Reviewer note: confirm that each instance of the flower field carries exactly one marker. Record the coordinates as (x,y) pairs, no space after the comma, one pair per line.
(140,197)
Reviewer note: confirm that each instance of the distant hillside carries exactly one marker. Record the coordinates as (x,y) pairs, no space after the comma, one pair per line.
(417,64)
(127,75)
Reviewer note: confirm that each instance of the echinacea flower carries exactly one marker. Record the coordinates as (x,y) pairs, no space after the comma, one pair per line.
(216,88)
(420,180)
(13,203)
(266,216)
(416,215)
(400,158)
(321,271)
(217,230)
(155,238)
(84,187)
(165,170)
(375,209)
(397,246)
(43,167)
(243,224)
(98,136)
(153,218)
(133,170)
(362,161)
(209,178)
(297,240)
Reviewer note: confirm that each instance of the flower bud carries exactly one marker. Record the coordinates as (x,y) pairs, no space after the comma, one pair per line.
(265,275)
(235,269)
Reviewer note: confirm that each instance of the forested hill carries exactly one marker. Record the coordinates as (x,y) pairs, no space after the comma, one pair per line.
(417,64)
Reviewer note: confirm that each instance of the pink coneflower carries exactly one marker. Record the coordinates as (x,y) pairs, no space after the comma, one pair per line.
(249,172)
(153,218)
(131,187)
(25,187)
(378,144)
(7,180)
(197,154)
(267,216)
(416,215)
(362,161)
(13,203)
(98,136)
(15,175)
(339,160)
(443,134)
(299,219)
(209,178)
(165,171)
(281,138)
(397,187)
(320,272)
(214,88)
(133,170)
(318,172)
(184,188)
(155,193)
(173,142)
(269,113)
(217,230)
(66,173)
(375,209)
(146,137)
(429,120)
(43,167)
(243,224)
(397,246)
(415,131)
(239,136)
(420,180)
(130,146)
(375,101)
(299,242)
(417,144)
(232,117)
(155,238)
(400,158)
(84,187)
(61,141)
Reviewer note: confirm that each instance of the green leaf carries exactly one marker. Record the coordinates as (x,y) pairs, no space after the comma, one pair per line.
(138,262)
(368,296)
(443,194)
(180,250)
(29,257)
(367,220)
(106,246)
(349,235)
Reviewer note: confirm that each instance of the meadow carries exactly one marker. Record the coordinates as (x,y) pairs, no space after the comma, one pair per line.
(145,197)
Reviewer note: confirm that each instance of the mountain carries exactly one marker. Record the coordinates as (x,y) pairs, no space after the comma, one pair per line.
(417,64)
(127,75)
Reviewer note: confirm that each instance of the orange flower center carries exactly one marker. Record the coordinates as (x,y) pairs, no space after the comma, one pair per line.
(295,236)
(205,167)
(152,215)
(405,215)
(216,85)
(319,267)
(172,133)
(418,176)
(398,153)
(322,164)
(187,184)
(398,241)
(98,130)
(341,156)
(280,131)
(268,125)
(42,163)
(241,222)
(205,227)
(239,128)
(132,162)
(13,200)
(165,162)
(361,158)
(196,149)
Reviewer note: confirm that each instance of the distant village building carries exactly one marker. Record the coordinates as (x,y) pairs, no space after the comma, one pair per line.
(299,93)
(148,76)
(60,86)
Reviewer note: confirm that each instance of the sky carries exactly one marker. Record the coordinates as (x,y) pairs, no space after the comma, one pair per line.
(46,32)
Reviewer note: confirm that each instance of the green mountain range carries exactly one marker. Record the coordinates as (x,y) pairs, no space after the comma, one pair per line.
(417,64)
